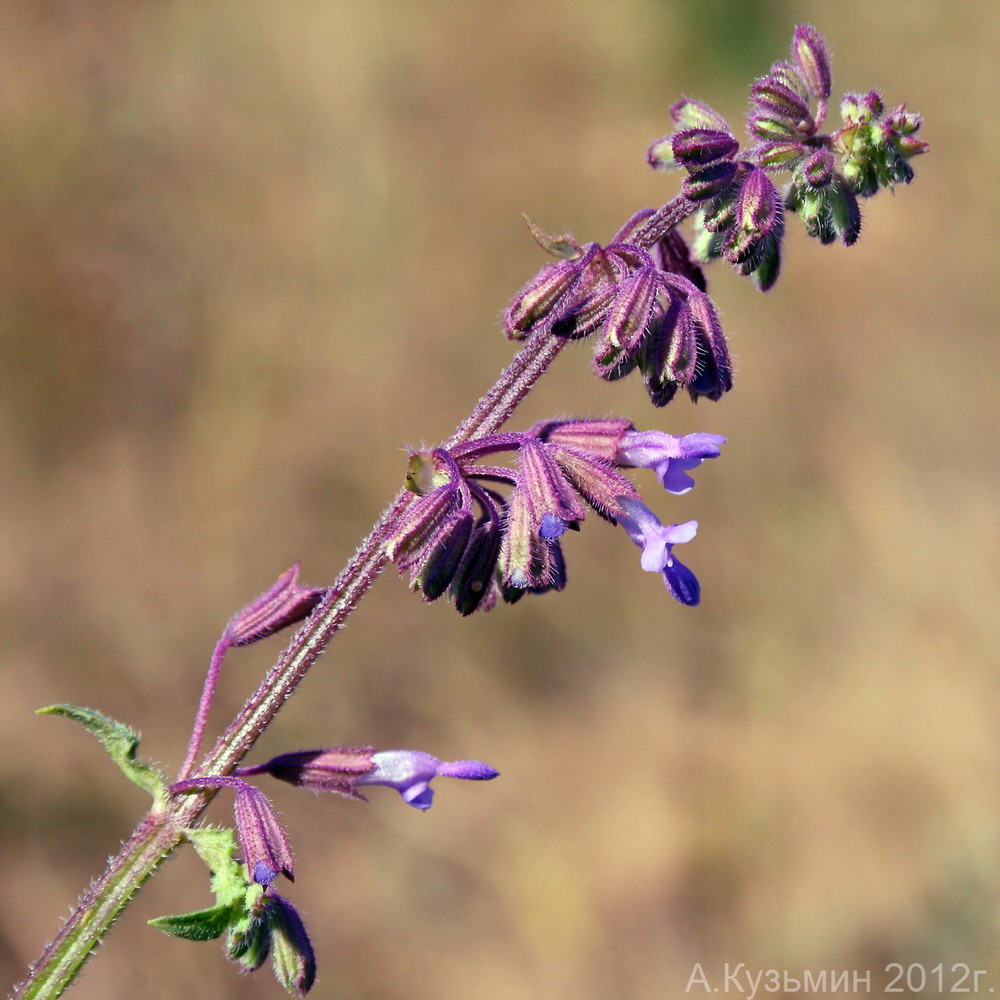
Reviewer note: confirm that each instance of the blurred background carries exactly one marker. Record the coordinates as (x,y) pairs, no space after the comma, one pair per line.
(251,251)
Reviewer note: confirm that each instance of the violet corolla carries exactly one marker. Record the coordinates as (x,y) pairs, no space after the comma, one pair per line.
(671,458)
(657,541)
(342,769)
(410,772)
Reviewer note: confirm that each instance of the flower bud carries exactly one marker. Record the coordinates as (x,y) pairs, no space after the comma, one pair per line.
(689,113)
(266,851)
(629,313)
(539,298)
(697,147)
(812,59)
(473,582)
(660,155)
(423,518)
(546,491)
(758,207)
(283,604)
(598,438)
(777,155)
(710,181)
(769,128)
(818,169)
(772,96)
(292,957)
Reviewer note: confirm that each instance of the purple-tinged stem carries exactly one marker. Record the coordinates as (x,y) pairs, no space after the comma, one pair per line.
(663,220)
(157,836)
(207,693)
(152,842)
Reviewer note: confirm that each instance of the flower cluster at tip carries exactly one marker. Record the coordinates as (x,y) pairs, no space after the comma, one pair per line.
(741,211)
(647,307)
(464,538)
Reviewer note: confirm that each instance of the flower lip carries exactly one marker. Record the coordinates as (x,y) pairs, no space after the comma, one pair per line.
(657,541)
(410,772)
(670,457)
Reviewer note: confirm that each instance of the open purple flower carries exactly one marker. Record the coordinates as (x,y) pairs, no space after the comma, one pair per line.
(410,772)
(670,457)
(657,541)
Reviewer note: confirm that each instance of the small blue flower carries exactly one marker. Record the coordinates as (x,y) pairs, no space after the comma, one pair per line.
(657,541)
(410,772)
(670,457)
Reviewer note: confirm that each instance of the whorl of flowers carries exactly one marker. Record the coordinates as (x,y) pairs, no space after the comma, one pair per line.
(465,538)
(647,307)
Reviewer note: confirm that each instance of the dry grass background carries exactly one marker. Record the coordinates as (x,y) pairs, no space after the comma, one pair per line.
(249,251)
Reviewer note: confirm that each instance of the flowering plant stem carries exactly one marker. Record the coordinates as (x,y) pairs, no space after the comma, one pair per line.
(162,831)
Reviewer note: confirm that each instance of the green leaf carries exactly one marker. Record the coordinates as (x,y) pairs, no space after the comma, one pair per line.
(201,925)
(235,899)
(121,742)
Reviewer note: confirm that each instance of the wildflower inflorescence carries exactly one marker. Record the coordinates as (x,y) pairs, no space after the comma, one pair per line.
(482,530)
(740,214)
(465,538)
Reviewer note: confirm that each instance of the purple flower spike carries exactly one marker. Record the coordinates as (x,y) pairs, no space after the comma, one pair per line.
(671,458)
(657,541)
(410,772)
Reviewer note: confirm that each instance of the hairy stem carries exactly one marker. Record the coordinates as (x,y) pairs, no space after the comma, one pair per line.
(153,840)
(157,836)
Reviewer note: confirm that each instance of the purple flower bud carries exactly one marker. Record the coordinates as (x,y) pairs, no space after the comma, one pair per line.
(266,851)
(332,769)
(697,147)
(540,298)
(423,518)
(587,315)
(710,181)
(819,168)
(670,457)
(777,155)
(673,254)
(516,548)
(689,113)
(770,129)
(660,155)
(775,98)
(714,375)
(657,541)
(283,604)
(546,490)
(813,60)
(444,556)
(789,76)
(631,309)
(758,207)
(410,772)
(473,585)
(292,955)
